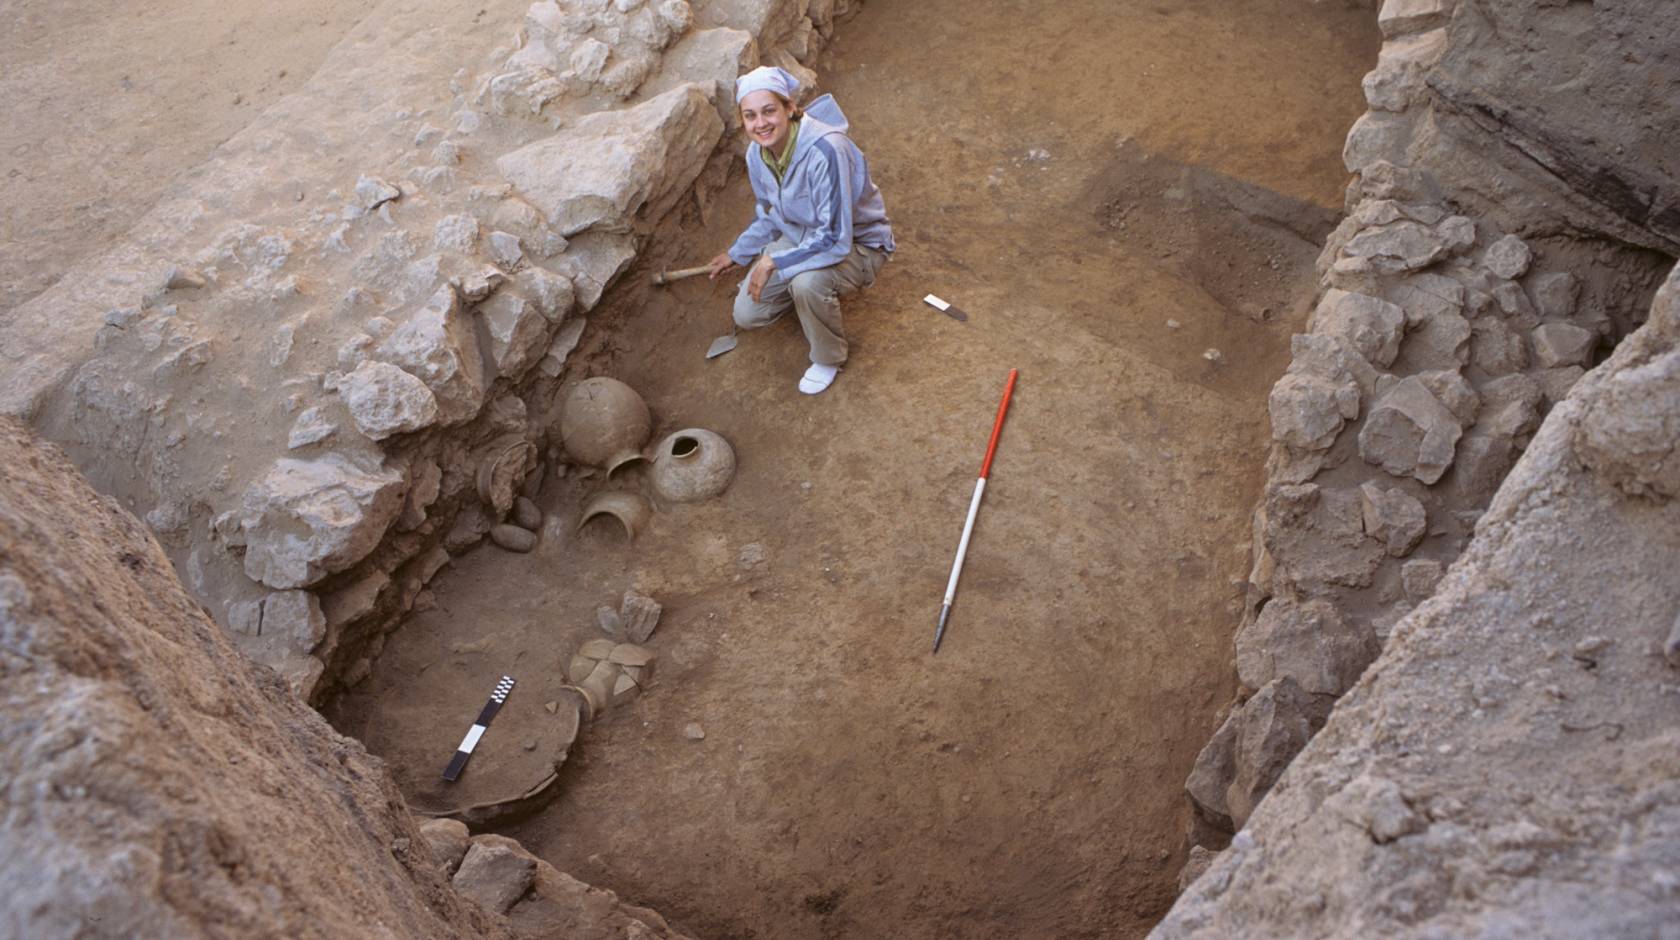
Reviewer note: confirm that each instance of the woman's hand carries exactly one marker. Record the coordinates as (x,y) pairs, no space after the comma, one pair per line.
(719,265)
(760,276)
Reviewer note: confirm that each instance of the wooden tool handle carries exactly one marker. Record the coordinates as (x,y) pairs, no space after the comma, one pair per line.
(666,277)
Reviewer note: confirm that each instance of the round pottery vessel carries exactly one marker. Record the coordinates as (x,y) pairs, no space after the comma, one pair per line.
(692,465)
(604,423)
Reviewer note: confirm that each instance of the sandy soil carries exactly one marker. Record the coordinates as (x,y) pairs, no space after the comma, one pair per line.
(1075,175)
(104,104)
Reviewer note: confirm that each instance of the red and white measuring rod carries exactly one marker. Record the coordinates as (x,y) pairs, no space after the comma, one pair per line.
(973,511)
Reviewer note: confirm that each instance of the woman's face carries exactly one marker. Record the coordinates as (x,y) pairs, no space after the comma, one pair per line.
(766,119)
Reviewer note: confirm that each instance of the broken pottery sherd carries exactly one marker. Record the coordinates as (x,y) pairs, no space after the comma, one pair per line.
(692,465)
(630,509)
(505,464)
(638,614)
(604,423)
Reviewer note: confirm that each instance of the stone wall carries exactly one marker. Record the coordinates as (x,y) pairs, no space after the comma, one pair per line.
(323,366)
(1510,765)
(1503,234)
(158,784)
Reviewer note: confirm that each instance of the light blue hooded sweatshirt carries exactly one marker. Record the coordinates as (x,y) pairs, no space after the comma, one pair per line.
(825,201)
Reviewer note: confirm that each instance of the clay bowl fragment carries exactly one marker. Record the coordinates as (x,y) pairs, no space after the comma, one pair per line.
(504,780)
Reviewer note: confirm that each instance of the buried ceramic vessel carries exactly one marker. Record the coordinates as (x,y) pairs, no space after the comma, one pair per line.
(630,509)
(692,465)
(604,423)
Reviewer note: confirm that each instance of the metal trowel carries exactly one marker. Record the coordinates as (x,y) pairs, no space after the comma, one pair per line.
(721,345)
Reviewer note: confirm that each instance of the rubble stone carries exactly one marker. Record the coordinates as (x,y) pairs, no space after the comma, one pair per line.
(1307,641)
(1507,258)
(605,167)
(1410,433)
(385,400)
(448,841)
(494,875)
(1496,348)
(438,345)
(306,519)
(1370,325)
(1563,344)
(1393,517)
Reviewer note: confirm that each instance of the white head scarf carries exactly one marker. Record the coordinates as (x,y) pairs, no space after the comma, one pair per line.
(767,78)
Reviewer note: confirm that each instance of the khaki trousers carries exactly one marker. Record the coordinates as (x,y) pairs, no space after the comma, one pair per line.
(815,296)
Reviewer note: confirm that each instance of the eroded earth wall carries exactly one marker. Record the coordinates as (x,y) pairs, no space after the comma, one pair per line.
(1512,213)
(323,365)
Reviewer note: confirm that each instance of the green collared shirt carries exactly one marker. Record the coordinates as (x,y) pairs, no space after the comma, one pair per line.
(778,165)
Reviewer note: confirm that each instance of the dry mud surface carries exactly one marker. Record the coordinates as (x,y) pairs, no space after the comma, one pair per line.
(1075,176)
(105,104)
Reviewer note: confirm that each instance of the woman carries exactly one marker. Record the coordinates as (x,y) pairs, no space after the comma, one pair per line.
(821,230)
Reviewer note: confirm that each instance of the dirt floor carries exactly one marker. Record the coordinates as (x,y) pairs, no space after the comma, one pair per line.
(1076,175)
(105,104)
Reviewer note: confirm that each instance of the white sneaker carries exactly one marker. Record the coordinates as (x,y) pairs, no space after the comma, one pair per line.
(817,378)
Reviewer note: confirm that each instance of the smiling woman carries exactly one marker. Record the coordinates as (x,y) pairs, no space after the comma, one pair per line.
(821,228)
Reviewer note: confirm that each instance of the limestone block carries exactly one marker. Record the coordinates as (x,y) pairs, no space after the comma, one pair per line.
(1563,344)
(1555,294)
(1393,517)
(1399,17)
(551,293)
(1513,301)
(1440,342)
(607,167)
(1316,537)
(1308,411)
(1210,777)
(1410,433)
(1272,727)
(1424,295)
(438,344)
(1392,249)
(1510,406)
(306,519)
(1629,431)
(506,250)
(1332,358)
(447,839)
(1395,84)
(593,261)
(712,58)
(517,330)
(1507,258)
(1451,390)
(1497,349)
(1378,135)
(1307,641)
(1370,325)
(1481,465)
(293,621)
(494,875)
(384,400)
